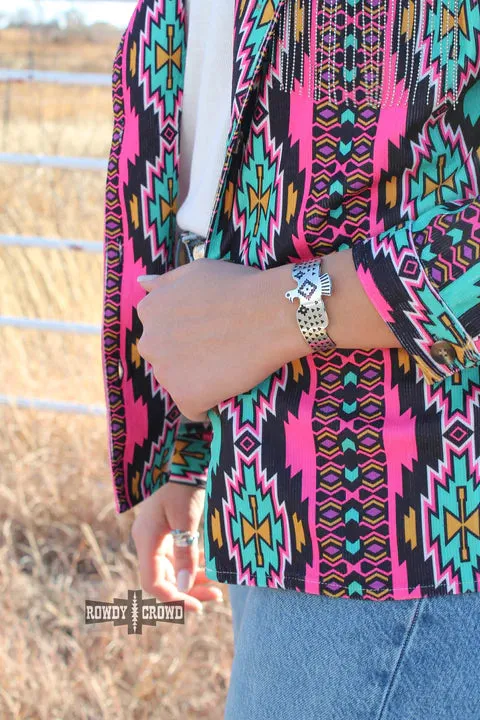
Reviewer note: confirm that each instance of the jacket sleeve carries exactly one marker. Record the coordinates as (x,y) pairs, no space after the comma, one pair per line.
(148,444)
(423,277)
(191,450)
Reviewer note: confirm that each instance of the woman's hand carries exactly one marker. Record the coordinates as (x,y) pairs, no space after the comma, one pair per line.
(168,572)
(213,329)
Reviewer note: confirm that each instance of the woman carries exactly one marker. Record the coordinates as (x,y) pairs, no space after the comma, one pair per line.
(330,153)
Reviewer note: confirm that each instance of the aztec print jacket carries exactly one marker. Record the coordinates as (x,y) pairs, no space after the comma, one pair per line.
(353,124)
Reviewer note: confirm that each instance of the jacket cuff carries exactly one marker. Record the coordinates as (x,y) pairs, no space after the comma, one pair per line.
(397,284)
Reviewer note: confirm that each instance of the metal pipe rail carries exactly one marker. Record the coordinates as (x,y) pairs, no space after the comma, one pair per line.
(54,161)
(26,323)
(50,243)
(56,406)
(56,78)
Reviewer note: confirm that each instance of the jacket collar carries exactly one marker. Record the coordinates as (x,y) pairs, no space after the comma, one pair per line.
(255,23)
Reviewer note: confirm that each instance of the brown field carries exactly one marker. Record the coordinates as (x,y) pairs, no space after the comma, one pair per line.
(61,541)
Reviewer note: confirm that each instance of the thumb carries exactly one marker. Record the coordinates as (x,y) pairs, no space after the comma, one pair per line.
(186,561)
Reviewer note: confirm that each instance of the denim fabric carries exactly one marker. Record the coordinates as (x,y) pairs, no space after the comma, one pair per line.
(303,656)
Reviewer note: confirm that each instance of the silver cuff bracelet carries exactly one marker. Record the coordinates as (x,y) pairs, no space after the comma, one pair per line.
(312,317)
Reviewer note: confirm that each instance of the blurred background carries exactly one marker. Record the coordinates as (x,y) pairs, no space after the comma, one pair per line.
(61,541)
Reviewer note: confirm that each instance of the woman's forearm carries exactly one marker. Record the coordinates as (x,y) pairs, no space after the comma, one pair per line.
(353,320)
(224,327)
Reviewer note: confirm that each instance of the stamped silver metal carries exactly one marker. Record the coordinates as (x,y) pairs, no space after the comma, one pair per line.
(312,317)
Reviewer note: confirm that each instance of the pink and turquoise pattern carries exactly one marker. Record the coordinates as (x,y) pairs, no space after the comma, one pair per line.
(352,473)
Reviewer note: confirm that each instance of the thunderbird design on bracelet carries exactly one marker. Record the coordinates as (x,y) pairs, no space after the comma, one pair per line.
(312,317)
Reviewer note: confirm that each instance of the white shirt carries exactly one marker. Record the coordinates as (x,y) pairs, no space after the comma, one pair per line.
(206,109)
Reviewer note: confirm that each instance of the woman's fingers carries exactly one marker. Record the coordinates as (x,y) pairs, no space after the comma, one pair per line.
(163,586)
(206,593)
(171,572)
(200,577)
(158,579)
(147,282)
(156,571)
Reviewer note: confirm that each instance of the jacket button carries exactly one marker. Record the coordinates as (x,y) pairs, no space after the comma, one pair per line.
(443,352)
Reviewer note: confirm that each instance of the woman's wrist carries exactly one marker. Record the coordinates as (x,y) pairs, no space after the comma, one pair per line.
(278,316)
(354,321)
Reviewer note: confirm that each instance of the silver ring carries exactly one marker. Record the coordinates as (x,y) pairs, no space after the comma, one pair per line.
(184,538)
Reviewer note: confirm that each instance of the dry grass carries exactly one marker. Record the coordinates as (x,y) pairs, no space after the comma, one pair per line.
(61,541)
(83,51)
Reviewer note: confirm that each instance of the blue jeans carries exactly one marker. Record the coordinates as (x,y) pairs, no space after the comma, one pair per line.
(311,657)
